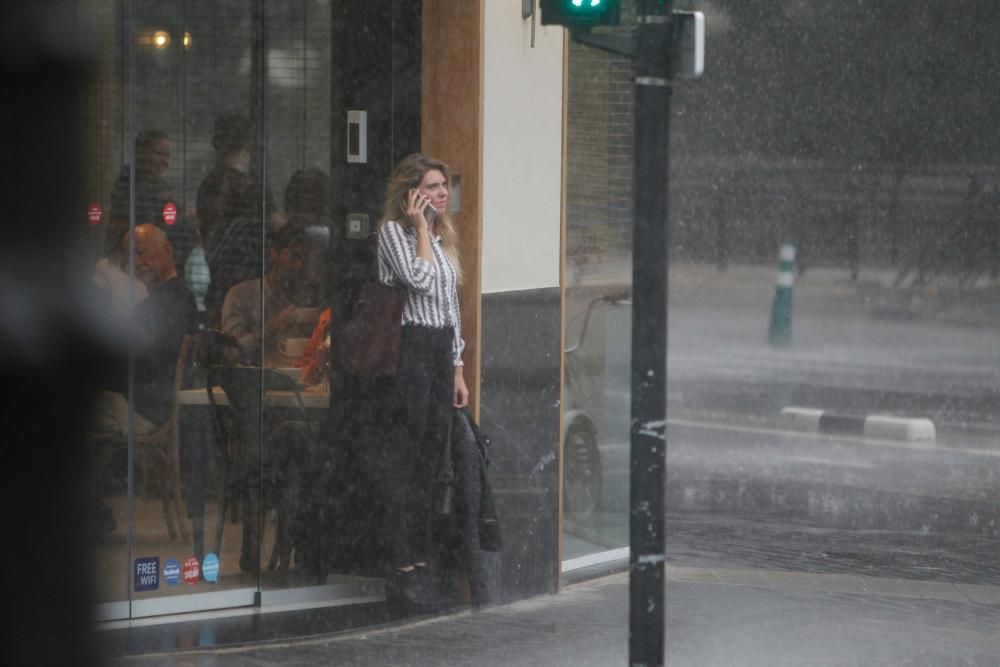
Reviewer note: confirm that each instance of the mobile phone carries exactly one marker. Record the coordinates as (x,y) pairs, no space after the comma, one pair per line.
(429,211)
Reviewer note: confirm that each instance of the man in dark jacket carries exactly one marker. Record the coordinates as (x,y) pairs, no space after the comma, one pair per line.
(230,218)
(167,315)
(161,322)
(155,200)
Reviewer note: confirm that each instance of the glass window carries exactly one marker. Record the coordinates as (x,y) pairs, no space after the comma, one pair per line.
(598,312)
(210,211)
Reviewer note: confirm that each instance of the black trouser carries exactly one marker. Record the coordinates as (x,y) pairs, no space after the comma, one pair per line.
(422,406)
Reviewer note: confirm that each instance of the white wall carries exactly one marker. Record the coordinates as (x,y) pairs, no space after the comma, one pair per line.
(522,151)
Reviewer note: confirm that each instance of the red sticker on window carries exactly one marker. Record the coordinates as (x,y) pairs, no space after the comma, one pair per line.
(95,213)
(191,571)
(169,213)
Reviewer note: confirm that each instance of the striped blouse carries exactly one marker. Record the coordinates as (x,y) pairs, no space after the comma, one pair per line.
(432,290)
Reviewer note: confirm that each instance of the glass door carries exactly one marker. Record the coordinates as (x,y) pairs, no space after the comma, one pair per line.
(209,197)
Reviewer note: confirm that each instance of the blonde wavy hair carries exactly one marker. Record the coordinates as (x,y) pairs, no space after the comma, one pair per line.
(407,176)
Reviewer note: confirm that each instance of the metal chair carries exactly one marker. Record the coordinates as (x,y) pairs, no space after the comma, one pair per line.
(163,446)
(253,461)
(213,347)
(216,348)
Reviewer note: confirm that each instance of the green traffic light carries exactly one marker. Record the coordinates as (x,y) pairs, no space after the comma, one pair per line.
(580,14)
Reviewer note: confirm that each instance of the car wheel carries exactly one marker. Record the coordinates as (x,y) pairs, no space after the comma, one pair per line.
(581,468)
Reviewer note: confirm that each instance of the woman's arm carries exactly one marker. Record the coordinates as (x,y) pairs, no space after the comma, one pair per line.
(415,271)
(461,391)
(457,344)
(234,322)
(457,347)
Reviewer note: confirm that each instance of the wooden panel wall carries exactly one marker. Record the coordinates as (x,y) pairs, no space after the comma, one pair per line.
(452,131)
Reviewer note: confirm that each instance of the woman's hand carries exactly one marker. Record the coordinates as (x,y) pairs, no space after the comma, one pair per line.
(461,391)
(416,202)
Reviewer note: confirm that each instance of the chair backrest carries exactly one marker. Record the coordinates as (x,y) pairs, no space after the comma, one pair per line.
(211,347)
(184,358)
(242,386)
(170,427)
(216,348)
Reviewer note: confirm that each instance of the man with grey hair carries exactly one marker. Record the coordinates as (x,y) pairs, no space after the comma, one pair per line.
(160,323)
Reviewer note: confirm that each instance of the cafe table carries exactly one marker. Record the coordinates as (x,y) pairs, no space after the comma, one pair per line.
(314,397)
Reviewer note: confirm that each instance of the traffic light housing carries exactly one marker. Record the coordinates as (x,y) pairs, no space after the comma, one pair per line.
(583,14)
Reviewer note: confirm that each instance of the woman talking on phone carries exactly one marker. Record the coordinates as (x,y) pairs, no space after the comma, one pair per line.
(418,250)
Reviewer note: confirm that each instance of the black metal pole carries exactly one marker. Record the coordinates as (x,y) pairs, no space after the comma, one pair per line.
(649,335)
(259,57)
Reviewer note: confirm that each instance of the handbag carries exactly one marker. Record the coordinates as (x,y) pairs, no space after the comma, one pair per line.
(368,344)
(443,498)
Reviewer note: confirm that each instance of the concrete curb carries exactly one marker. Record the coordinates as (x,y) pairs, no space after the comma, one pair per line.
(873,426)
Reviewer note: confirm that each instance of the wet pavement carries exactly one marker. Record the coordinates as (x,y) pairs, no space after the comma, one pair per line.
(714,617)
(758,498)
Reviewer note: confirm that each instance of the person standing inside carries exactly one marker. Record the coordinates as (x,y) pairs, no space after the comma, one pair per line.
(418,251)
(308,205)
(229,213)
(153,194)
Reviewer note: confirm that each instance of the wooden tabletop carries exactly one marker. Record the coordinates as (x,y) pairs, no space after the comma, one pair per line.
(315,397)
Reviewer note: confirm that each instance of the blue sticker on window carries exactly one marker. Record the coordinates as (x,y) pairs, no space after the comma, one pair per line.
(210,568)
(147,574)
(172,572)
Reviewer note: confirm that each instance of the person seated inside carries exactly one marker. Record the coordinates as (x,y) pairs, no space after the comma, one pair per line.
(161,320)
(111,278)
(259,329)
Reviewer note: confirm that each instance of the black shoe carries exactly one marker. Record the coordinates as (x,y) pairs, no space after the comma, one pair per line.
(401,591)
(432,590)
(409,593)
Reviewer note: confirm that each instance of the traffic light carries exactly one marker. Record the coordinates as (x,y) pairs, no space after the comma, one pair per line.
(580,13)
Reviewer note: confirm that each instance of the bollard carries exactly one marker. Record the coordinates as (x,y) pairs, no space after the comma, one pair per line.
(780,331)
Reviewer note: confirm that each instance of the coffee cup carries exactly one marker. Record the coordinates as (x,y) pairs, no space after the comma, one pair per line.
(293,347)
